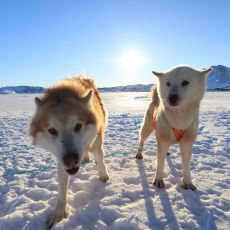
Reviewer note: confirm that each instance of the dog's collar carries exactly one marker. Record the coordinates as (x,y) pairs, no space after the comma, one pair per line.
(178,133)
(154,123)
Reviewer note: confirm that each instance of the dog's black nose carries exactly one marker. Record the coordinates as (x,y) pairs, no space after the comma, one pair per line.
(70,160)
(173,99)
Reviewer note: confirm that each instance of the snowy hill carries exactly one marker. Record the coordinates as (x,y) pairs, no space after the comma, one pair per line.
(21,89)
(128,88)
(31,89)
(219,79)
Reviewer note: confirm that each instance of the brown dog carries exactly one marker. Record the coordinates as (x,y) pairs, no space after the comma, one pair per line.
(70,121)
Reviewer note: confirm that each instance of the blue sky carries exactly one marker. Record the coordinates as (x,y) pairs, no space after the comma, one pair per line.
(43,41)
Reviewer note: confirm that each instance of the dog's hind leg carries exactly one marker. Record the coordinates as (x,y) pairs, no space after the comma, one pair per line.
(162,149)
(186,153)
(146,129)
(60,210)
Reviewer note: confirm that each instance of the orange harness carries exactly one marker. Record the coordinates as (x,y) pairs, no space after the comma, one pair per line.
(179,133)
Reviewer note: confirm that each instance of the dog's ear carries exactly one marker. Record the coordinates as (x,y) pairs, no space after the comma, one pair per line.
(206,72)
(88,98)
(158,74)
(38,101)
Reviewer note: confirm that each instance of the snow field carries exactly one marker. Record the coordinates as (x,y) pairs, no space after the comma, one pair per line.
(28,181)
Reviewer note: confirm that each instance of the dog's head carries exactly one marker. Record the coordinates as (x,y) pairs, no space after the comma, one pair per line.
(65,126)
(181,86)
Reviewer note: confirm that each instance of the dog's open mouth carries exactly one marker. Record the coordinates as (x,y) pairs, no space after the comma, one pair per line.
(72,171)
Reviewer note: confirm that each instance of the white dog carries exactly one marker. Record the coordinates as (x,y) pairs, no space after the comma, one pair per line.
(173,112)
(70,121)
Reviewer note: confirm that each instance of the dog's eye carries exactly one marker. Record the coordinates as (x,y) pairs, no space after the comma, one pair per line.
(53,131)
(184,83)
(77,127)
(168,83)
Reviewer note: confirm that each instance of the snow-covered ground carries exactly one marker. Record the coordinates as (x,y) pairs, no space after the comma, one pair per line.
(28,186)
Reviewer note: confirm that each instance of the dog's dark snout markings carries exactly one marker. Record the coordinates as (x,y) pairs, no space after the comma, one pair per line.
(173,99)
(71,163)
(71,160)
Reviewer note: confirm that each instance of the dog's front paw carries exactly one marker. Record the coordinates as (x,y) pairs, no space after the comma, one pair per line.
(57,216)
(86,159)
(139,155)
(159,183)
(103,176)
(188,186)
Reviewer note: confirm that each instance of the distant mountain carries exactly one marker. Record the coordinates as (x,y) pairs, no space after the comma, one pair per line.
(31,89)
(128,88)
(21,89)
(219,79)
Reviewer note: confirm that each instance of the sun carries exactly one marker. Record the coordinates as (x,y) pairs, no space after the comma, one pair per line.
(131,59)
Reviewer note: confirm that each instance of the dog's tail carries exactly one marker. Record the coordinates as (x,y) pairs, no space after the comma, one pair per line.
(155,98)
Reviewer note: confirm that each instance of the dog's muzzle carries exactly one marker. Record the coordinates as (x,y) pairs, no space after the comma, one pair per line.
(71,163)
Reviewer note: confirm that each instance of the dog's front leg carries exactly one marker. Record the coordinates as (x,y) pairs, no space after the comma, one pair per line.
(86,157)
(162,149)
(186,153)
(102,171)
(60,210)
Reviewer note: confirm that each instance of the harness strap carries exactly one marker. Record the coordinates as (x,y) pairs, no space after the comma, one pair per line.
(179,133)
(154,123)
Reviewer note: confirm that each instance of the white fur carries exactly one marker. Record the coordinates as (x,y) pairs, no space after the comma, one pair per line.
(183,115)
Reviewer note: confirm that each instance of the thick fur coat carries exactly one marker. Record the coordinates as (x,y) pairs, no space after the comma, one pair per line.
(70,122)
(173,113)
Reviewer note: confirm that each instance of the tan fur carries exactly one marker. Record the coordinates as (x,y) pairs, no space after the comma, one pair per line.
(68,93)
(73,101)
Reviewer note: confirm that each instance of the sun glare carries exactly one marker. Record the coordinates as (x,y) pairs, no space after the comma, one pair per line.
(131,59)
